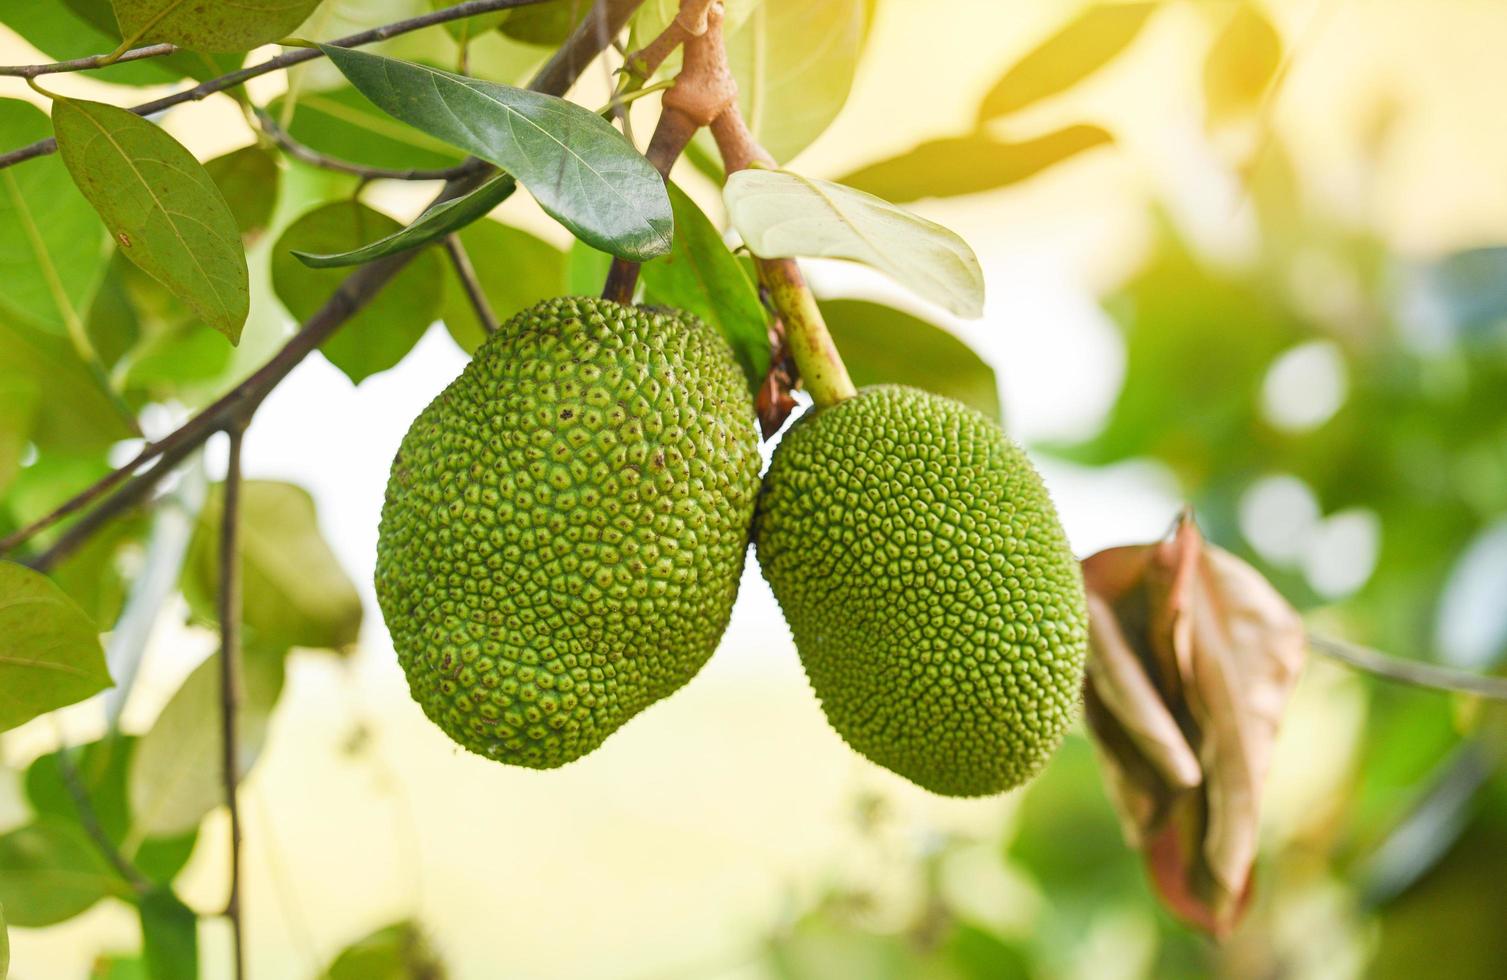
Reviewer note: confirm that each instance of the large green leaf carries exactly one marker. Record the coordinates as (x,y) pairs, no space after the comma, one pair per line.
(436,222)
(344,124)
(169,936)
(884,345)
(238,26)
(583,172)
(515,269)
(547,24)
(795,61)
(702,276)
(1088,42)
(396,952)
(970,164)
(175,776)
(49,650)
(163,208)
(248,178)
(77,411)
(386,329)
(1242,63)
(52,246)
(50,872)
(294,592)
(783,215)
(18,411)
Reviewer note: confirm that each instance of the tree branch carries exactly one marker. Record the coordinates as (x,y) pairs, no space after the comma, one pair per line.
(92,61)
(229,609)
(466,272)
(285,60)
(1410,671)
(89,819)
(671,136)
(307,154)
(358,289)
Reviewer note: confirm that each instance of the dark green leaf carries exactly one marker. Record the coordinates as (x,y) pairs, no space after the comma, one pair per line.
(77,411)
(515,269)
(50,872)
(386,328)
(436,222)
(1241,64)
(169,937)
(343,123)
(1089,42)
(546,24)
(49,650)
(52,246)
(582,172)
(397,952)
(248,179)
(175,778)
(970,164)
(702,276)
(585,269)
(883,345)
(238,26)
(294,592)
(164,210)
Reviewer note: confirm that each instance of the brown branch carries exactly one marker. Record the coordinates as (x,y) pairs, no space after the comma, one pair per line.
(354,293)
(671,136)
(466,272)
(89,820)
(1410,671)
(229,609)
(92,61)
(286,60)
(304,153)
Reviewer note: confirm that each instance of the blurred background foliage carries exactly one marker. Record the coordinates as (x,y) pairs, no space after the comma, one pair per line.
(1332,403)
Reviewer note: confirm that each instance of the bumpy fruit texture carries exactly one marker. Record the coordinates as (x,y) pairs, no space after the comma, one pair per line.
(565,527)
(933,597)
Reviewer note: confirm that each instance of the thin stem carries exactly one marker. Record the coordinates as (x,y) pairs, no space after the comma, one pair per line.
(286,60)
(466,272)
(671,136)
(354,293)
(89,820)
(92,61)
(823,373)
(230,679)
(1410,671)
(304,153)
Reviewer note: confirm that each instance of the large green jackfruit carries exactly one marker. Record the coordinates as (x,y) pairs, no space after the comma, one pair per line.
(929,586)
(565,527)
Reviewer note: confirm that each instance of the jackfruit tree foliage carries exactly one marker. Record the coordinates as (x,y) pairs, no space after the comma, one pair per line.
(565,527)
(934,600)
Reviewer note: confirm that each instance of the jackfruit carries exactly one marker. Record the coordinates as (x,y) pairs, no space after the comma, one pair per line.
(929,586)
(565,527)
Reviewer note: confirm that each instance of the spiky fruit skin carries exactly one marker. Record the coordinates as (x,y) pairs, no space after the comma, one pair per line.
(565,527)
(929,586)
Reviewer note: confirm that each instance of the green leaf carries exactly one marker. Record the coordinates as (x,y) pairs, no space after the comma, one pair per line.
(248,179)
(515,269)
(583,172)
(52,248)
(1089,42)
(50,872)
(4,946)
(585,269)
(702,276)
(436,222)
(238,26)
(169,937)
(386,329)
(77,411)
(294,592)
(1241,64)
(783,215)
(49,650)
(881,345)
(970,164)
(795,61)
(18,411)
(175,777)
(164,210)
(546,24)
(102,768)
(343,123)
(396,952)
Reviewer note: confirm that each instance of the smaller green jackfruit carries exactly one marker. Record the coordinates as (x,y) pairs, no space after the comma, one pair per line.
(929,585)
(565,527)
